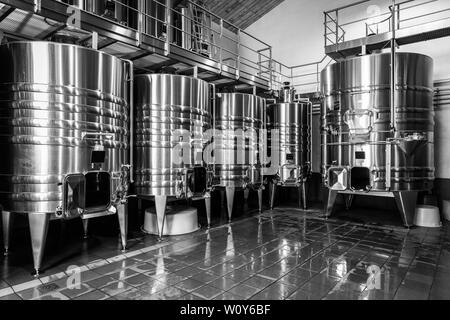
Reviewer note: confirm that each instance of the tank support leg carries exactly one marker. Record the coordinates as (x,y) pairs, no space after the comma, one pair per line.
(208,209)
(406,203)
(38,231)
(260,199)
(7,218)
(222,198)
(141,214)
(85,227)
(332,195)
(230,201)
(349,201)
(122,215)
(300,196)
(304,192)
(273,189)
(246,194)
(161,203)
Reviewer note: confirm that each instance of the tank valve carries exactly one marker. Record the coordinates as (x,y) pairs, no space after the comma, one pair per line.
(59,211)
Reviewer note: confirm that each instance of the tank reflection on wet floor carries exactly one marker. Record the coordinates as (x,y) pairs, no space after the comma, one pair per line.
(282,254)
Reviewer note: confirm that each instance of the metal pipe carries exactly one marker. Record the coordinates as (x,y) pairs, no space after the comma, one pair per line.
(337,27)
(140,22)
(238,58)
(213,101)
(270,70)
(393,66)
(311,133)
(168,26)
(131,104)
(221,46)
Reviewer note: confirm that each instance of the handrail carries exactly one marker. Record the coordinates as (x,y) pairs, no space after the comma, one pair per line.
(229,23)
(336,26)
(347,6)
(207,33)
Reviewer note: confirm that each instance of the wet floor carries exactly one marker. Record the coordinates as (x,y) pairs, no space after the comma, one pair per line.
(283,254)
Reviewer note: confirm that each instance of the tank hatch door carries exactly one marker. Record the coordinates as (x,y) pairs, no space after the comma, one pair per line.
(338,179)
(74,196)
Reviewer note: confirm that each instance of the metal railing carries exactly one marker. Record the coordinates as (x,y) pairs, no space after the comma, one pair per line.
(339,23)
(192,27)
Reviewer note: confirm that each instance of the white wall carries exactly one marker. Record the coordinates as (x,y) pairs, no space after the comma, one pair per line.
(296,32)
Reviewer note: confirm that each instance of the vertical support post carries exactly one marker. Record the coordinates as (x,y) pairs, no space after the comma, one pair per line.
(310,126)
(38,231)
(208,209)
(273,189)
(94,40)
(337,26)
(122,215)
(161,203)
(141,17)
(246,194)
(85,227)
(37,6)
(169,27)
(195,71)
(388,165)
(318,78)
(7,218)
(259,64)
(139,208)
(300,196)
(304,194)
(292,76)
(406,203)
(393,68)
(131,104)
(230,191)
(332,195)
(238,58)
(221,46)
(349,201)
(260,199)
(270,69)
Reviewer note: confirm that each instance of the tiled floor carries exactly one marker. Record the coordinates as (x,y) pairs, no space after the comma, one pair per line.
(283,254)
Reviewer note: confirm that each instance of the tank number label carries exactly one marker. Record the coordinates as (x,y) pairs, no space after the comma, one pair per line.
(360,155)
(74,19)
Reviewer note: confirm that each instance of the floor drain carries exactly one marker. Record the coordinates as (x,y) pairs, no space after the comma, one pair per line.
(49,287)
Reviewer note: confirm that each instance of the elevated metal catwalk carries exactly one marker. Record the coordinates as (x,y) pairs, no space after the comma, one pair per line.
(415,21)
(249,66)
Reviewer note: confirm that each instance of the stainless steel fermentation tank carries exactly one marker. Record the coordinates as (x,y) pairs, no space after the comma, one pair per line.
(289,123)
(173,113)
(370,146)
(64,124)
(239,120)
